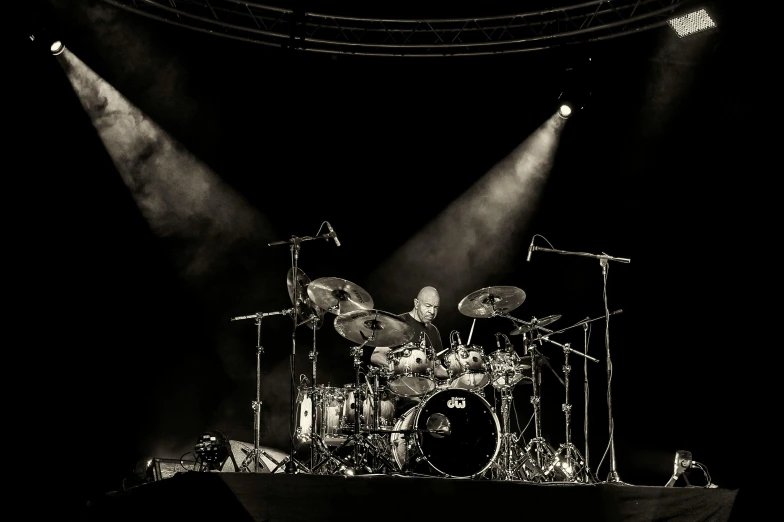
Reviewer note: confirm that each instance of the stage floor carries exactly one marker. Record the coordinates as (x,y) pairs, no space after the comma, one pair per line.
(257,497)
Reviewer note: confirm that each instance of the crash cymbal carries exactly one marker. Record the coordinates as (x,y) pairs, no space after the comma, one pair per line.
(377,327)
(490,301)
(535,323)
(338,296)
(306,310)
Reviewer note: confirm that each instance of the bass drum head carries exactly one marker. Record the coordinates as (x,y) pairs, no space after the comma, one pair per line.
(460,435)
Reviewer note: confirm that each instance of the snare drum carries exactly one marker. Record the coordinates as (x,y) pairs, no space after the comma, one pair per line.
(452,433)
(319,411)
(467,367)
(386,416)
(412,370)
(508,369)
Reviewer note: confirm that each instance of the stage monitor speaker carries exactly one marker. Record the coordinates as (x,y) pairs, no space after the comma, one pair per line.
(166,468)
(269,458)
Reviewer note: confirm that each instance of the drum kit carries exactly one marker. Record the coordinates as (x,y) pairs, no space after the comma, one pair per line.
(452,430)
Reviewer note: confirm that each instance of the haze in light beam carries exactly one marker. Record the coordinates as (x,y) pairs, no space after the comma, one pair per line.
(180,197)
(478,232)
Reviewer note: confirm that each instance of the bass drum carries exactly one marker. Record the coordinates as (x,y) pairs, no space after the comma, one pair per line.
(452,433)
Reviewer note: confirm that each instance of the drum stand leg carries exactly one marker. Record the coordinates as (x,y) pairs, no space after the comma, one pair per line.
(511,460)
(368,451)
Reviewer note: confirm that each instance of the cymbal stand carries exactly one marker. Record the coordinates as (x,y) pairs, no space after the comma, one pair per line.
(255,454)
(604,261)
(318,449)
(513,463)
(571,463)
(543,454)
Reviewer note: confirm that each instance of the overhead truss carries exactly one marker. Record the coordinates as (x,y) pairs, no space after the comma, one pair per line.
(317,32)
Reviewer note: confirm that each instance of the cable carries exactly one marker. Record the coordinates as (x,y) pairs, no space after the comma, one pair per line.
(708,483)
(609,366)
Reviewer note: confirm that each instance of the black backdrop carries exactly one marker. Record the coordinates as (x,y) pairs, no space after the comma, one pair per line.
(139,355)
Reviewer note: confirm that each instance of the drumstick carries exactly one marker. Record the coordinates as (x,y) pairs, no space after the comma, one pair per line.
(471,332)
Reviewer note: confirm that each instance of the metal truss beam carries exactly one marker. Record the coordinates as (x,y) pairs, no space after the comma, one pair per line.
(316,32)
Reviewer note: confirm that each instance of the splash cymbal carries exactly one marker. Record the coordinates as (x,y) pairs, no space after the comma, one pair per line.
(338,296)
(491,301)
(535,323)
(377,327)
(306,310)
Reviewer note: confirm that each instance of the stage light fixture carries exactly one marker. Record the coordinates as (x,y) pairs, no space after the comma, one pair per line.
(684,462)
(211,450)
(57,48)
(691,23)
(565,110)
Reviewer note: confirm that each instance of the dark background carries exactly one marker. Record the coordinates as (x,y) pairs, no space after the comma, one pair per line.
(130,325)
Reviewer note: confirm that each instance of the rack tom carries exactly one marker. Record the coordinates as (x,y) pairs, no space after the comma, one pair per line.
(412,370)
(467,367)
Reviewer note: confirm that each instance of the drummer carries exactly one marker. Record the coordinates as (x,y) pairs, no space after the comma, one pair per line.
(420,319)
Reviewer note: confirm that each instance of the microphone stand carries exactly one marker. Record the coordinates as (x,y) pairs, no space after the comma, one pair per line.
(604,260)
(255,455)
(295,242)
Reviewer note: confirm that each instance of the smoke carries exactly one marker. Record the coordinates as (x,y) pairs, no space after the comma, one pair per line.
(179,197)
(476,234)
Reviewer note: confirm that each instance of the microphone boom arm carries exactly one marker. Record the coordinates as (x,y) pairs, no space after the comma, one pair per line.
(601,257)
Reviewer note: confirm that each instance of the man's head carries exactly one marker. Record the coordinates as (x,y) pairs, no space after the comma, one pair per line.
(426,304)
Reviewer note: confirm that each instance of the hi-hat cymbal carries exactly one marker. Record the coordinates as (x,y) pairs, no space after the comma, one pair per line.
(306,310)
(377,327)
(534,324)
(489,301)
(338,296)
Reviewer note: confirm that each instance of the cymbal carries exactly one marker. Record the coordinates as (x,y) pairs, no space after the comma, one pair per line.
(377,327)
(491,300)
(306,310)
(338,296)
(535,323)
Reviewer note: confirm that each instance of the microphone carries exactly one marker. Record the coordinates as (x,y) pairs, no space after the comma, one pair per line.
(530,249)
(497,342)
(335,236)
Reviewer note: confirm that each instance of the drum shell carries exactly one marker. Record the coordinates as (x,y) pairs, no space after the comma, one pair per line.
(467,367)
(505,370)
(386,408)
(412,370)
(472,444)
(319,409)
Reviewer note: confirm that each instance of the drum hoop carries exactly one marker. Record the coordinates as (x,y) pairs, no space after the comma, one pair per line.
(419,407)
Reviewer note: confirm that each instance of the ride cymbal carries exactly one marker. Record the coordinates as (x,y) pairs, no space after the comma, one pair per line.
(338,296)
(491,301)
(534,324)
(373,327)
(307,311)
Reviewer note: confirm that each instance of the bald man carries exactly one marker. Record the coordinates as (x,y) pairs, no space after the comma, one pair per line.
(420,318)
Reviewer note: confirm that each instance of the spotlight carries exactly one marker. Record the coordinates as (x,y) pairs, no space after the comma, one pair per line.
(57,48)
(211,450)
(692,23)
(576,88)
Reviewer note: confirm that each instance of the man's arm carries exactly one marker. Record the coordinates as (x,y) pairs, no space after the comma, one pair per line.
(379,357)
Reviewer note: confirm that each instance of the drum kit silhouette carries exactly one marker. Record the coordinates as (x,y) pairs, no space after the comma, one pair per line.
(451,430)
